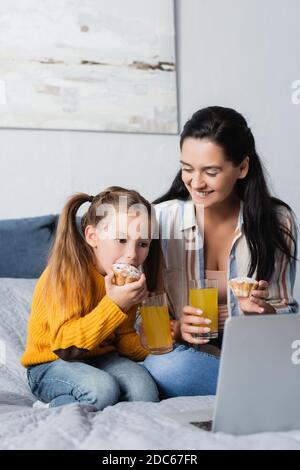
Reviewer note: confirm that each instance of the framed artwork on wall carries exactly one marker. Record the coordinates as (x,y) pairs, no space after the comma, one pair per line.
(98,65)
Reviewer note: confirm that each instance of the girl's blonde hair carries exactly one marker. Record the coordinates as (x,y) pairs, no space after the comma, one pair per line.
(69,281)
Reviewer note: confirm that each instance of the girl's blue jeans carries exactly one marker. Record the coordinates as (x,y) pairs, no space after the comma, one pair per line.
(99,381)
(106,380)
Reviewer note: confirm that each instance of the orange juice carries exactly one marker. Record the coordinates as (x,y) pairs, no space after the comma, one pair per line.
(157,330)
(206,299)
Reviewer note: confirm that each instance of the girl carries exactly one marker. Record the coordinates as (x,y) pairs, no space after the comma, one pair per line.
(81,344)
(247,232)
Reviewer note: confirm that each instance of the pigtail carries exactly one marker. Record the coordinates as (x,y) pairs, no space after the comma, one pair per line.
(70,264)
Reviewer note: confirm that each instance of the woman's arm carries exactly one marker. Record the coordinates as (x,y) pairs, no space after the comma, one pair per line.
(281,287)
(277,295)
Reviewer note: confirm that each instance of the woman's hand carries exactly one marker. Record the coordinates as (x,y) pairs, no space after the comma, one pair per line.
(128,295)
(256,303)
(189,319)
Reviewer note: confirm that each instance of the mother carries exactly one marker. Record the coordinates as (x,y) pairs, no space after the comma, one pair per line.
(247,232)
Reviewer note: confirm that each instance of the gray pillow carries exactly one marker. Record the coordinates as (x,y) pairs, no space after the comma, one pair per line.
(25,245)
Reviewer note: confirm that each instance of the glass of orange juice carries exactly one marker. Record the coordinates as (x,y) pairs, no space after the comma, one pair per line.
(156,323)
(204,295)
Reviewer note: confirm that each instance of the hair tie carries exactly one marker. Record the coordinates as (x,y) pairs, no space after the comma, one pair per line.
(91,199)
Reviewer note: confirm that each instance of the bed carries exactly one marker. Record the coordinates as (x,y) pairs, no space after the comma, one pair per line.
(136,425)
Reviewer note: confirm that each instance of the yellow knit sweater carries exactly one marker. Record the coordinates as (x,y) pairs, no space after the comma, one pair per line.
(105,329)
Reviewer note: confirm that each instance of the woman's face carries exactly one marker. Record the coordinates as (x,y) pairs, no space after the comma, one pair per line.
(208,176)
(120,237)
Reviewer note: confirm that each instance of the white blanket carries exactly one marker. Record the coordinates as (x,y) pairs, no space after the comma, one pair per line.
(135,425)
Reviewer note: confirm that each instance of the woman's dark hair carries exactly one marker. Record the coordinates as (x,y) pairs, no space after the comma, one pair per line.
(264,231)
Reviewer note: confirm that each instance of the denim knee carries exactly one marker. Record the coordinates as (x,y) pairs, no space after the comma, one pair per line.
(141,387)
(100,391)
(184,372)
(53,382)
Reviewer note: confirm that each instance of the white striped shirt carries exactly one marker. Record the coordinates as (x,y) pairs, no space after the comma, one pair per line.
(182,246)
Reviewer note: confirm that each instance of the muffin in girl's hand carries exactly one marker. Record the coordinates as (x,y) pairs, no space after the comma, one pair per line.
(242,286)
(124,274)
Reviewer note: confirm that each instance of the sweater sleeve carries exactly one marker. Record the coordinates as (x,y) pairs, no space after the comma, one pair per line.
(127,339)
(71,339)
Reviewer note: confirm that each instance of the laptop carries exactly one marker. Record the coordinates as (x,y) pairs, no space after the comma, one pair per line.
(259,378)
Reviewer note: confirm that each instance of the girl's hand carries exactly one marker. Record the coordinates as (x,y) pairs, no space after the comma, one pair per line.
(128,295)
(256,303)
(189,318)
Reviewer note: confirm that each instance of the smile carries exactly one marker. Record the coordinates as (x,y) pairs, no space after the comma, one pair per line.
(203,194)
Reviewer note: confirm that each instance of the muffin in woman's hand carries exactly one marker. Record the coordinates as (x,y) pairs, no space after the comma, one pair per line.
(124,274)
(242,286)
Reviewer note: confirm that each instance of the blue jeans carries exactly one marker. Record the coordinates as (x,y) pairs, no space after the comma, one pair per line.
(99,381)
(184,371)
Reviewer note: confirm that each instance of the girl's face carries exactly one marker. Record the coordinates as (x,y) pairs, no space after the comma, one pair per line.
(120,238)
(208,176)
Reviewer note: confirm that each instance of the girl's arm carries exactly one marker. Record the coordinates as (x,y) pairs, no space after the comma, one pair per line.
(70,338)
(128,341)
(73,338)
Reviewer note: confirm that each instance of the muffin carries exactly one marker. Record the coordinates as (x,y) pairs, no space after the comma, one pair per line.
(124,274)
(242,286)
